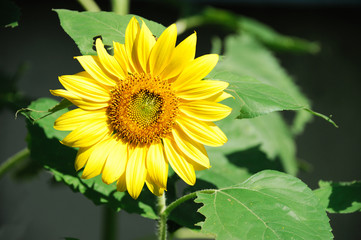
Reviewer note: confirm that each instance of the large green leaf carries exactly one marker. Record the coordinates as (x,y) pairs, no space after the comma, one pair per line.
(83,27)
(340,197)
(226,170)
(269,205)
(247,57)
(45,148)
(254,97)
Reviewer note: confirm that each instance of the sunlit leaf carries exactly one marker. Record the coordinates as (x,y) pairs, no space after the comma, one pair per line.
(247,57)
(269,205)
(83,27)
(254,97)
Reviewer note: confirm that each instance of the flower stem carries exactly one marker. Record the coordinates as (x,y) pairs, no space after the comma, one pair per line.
(89,5)
(109,224)
(165,210)
(12,161)
(162,228)
(120,7)
(181,200)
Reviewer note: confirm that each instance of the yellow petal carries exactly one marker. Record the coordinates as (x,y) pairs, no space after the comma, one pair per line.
(200,89)
(154,188)
(142,47)
(116,162)
(120,54)
(196,70)
(96,160)
(90,133)
(82,157)
(131,34)
(178,162)
(157,165)
(183,54)
(92,65)
(191,148)
(76,100)
(163,50)
(203,132)
(121,183)
(108,61)
(75,118)
(219,97)
(205,110)
(136,171)
(85,88)
(83,74)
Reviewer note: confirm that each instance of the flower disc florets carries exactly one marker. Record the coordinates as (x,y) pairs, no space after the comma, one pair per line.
(142,109)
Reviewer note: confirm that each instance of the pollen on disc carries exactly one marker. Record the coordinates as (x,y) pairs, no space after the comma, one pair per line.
(142,109)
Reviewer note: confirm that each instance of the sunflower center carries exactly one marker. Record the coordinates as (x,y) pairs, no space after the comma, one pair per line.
(142,109)
(145,108)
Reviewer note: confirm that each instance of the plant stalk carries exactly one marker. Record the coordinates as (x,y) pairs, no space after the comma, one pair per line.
(181,200)
(109,224)
(165,210)
(12,161)
(120,7)
(162,227)
(89,5)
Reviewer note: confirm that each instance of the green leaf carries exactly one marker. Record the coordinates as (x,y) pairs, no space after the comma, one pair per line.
(38,114)
(340,197)
(83,27)
(45,148)
(226,170)
(255,97)
(269,205)
(247,57)
(222,173)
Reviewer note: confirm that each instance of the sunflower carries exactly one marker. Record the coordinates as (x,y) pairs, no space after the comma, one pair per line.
(142,109)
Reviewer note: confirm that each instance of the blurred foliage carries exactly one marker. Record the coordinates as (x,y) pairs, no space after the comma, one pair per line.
(340,197)
(246,202)
(9,14)
(10,96)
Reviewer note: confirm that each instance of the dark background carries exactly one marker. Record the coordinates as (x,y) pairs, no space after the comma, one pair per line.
(38,209)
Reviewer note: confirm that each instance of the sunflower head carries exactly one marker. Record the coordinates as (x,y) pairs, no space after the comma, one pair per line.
(142,109)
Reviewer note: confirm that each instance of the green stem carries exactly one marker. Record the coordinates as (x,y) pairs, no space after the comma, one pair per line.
(165,210)
(89,5)
(181,200)
(162,228)
(109,224)
(12,161)
(120,7)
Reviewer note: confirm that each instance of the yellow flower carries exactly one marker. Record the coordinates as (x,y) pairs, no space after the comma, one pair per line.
(143,108)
